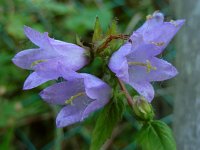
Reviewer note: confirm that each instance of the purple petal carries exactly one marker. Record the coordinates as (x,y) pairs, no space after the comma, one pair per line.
(34,80)
(152,22)
(74,55)
(64,48)
(40,39)
(141,50)
(164,71)
(156,31)
(60,92)
(55,68)
(101,100)
(98,90)
(49,69)
(72,113)
(26,58)
(144,88)
(118,63)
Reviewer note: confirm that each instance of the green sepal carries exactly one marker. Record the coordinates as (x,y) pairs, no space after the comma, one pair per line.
(78,41)
(112,30)
(97,35)
(155,135)
(107,120)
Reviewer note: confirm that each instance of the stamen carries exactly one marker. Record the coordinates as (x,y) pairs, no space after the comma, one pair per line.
(37,62)
(158,43)
(149,17)
(148,65)
(137,64)
(174,23)
(70,100)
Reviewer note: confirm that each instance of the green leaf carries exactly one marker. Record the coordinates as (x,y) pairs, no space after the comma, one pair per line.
(106,122)
(156,135)
(6,141)
(97,31)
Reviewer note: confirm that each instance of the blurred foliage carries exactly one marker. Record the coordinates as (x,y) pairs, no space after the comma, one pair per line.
(26,122)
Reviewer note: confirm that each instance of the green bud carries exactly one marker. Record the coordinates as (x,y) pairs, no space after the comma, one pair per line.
(142,109)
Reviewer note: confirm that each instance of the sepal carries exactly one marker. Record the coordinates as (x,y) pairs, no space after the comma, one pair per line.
(97,36)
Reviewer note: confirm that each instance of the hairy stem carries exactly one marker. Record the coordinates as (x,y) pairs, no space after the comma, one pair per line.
(110,38)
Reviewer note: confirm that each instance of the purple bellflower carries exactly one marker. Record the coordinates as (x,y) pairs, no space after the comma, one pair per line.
(80,95)
(50,53)
(136,63)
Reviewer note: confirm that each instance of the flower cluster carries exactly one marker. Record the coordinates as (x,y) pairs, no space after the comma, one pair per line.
(80,94)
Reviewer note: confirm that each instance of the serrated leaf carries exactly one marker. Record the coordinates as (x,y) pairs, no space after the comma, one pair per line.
(106,122)
(156,135)
(97,31)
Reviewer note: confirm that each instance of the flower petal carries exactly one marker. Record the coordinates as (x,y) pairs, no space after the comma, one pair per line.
(60,92)
(55,68)
(152,22)
(50,68)
(158,32)
(101,100)
(74,55)
(26,58)
(34,80)
(118,63)
(95,87)
(98,90)
(40,39)
(72,113)
(141,50)
(164,70)
(144,88)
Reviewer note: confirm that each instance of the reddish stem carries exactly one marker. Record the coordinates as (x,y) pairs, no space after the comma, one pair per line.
(128,97)
(110,38)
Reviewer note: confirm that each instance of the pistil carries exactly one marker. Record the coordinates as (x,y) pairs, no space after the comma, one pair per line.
(70,100)
(36,62)
(148,65)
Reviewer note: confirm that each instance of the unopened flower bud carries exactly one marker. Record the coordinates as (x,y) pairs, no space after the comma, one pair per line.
(142,109)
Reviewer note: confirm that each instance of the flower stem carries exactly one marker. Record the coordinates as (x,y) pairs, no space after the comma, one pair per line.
(58,134)
(128,96)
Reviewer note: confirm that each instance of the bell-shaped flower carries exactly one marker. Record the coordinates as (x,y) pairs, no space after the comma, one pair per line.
(80,95)
(50,52)
(136,63)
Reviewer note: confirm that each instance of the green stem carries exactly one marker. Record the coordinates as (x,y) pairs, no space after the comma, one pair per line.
(58,134)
